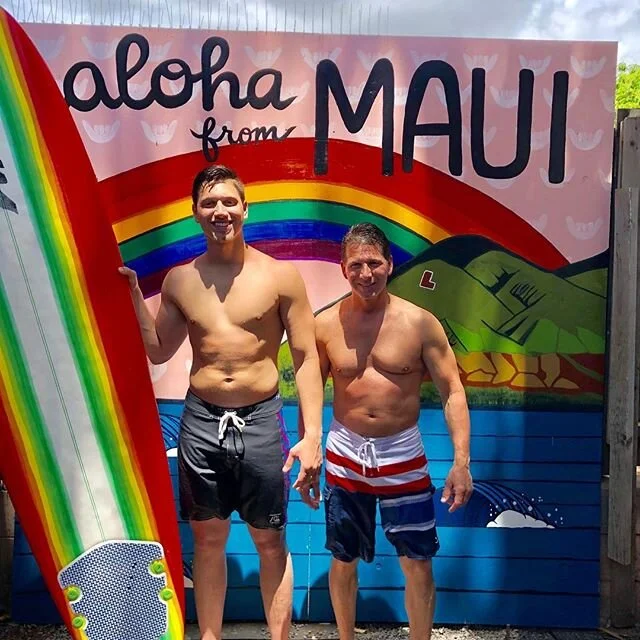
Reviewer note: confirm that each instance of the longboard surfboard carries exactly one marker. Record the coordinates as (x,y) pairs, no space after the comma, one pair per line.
(81,447)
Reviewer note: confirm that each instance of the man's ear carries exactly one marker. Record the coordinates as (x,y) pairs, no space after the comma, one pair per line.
(390,265)
(344,271)
(193,209)
(246,211)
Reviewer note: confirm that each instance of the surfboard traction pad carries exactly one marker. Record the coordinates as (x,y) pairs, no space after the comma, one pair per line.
(118,590)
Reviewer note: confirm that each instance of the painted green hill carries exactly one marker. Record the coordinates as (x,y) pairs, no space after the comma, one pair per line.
(490,300)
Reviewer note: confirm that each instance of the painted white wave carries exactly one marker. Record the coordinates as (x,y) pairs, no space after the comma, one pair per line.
(515,520)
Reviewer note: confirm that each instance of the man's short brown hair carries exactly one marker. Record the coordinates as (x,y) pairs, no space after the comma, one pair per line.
(214,174)
(366,233)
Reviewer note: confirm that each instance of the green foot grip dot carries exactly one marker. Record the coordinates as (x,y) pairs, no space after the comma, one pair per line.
(73,593)
(157,567)
(79,622)
(166,594)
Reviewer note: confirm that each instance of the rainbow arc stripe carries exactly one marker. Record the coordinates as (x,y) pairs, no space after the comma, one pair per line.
(296,214)
(74,471)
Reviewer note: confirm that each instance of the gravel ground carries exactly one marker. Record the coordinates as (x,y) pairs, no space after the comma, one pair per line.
(252,631)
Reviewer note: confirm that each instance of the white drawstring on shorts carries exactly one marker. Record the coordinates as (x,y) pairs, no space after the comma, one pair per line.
(237,421)
(367,452)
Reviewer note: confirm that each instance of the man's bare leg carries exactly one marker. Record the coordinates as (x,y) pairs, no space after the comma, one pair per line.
(210,574)
(419,596)
(343,587)
(276,579)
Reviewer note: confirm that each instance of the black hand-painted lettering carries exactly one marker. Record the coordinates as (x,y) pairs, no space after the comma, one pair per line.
(328,78)
(453,128)
(213,57)
(558,134)
(523,127)
(210,146)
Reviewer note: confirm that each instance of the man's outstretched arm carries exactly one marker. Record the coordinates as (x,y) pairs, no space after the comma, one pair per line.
(162,335)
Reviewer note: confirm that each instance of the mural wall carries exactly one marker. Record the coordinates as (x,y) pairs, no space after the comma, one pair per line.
(488,165)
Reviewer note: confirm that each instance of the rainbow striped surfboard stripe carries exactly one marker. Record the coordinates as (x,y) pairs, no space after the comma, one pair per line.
(83,457)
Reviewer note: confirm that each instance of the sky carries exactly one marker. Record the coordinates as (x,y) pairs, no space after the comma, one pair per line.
(617,20)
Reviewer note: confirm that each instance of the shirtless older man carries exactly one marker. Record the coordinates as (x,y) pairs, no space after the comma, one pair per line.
(378,348)
(234,303)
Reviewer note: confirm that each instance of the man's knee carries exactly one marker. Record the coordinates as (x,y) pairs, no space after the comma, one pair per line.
(210,534)
(417,570)
(343,569)
(270,543)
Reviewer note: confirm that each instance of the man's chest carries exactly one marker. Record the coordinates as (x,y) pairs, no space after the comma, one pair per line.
(352,352)
(248,304)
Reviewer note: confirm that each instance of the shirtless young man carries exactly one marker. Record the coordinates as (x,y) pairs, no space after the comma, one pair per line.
(378,348)
(234,303)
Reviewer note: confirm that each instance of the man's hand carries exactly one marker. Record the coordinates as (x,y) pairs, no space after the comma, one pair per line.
(131,276)
(309,453)
(458,487)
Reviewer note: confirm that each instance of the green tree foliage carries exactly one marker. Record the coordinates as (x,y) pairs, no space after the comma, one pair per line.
(628,86)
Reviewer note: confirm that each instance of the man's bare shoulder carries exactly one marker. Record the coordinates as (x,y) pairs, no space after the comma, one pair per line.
(417,316)
(177,277)
(271,267)
(328,319)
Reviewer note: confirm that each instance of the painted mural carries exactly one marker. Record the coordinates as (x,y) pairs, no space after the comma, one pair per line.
(488,165)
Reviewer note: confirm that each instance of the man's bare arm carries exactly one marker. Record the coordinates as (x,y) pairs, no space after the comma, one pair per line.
(162,335)
(299,324)
(298,321)
(441,363)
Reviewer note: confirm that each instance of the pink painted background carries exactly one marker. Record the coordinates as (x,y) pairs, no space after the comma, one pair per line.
(574,215)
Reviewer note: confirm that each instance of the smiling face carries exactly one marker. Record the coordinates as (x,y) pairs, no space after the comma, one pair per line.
(220,211)
(366,269)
